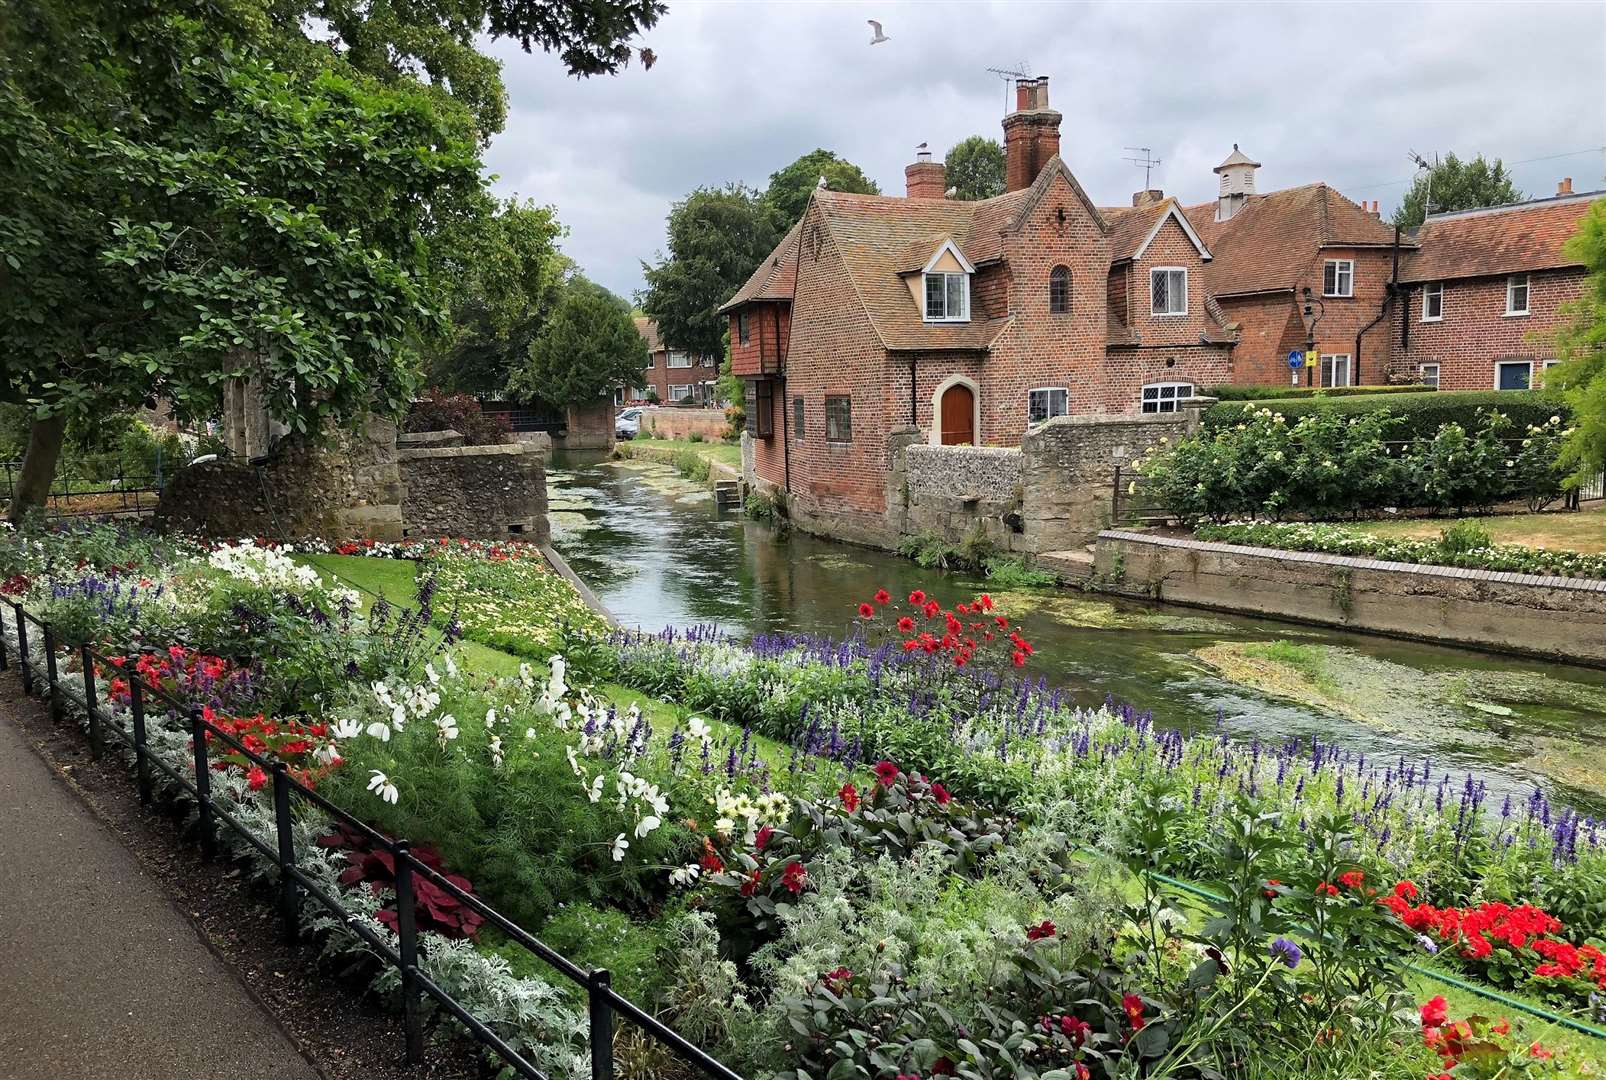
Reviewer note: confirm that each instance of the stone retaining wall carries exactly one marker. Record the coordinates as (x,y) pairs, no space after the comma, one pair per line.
(671,422)
(955,490)
(1556,618)
(486,492)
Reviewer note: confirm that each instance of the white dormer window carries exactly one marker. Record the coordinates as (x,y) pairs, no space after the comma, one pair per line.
(947,297)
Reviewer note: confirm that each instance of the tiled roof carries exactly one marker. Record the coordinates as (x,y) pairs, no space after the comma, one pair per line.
(1272,242)
(648,329)
(775,277)
(1131,227)
(1497,240)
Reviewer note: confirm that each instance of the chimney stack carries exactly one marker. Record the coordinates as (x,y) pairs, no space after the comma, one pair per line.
(1565,187)
(1148,197)
(1031,134)
(925,179)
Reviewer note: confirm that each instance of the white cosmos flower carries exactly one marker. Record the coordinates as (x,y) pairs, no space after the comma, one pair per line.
(595,791)
(380,785)
(446,728)
(573,762)
(433,675)
(346,728)
(496,751)
(529,733)
(647,825)
(620,844)
(524,675)
(490,718)
(684,875)
(451,668)
(379,730)
(398,716)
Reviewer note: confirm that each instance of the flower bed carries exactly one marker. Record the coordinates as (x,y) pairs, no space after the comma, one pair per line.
(1340,540)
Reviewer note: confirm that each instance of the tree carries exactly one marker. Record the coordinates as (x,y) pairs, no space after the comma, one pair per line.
(717,237)
(975,168)
(790,187)
(1457,185)
(1581,345)
(588,348)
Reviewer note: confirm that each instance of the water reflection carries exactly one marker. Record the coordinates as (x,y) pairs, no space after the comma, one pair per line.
(657,553)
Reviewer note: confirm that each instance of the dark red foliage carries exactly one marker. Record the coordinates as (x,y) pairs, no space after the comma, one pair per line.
(433,907)
(440,411)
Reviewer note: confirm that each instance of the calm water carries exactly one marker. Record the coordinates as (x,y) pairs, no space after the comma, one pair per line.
(658,553)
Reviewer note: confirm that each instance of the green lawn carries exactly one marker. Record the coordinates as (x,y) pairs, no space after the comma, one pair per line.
(723,452)
(1584,531)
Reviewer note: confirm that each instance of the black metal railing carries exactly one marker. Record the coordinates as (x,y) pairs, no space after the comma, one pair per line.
(119,494)
(604,1004)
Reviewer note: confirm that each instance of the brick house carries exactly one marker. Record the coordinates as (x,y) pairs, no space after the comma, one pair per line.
(673,375)
(964,321)
(1270,248)
(1483,296)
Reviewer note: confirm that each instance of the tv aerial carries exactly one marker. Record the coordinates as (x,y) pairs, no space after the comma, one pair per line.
(1147,162)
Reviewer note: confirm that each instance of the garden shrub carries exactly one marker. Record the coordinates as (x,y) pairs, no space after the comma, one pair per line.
(1236,392)
(1419,413)
(440,411)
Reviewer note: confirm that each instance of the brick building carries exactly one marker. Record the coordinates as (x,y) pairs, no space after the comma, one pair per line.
(671,374)
(1482,298)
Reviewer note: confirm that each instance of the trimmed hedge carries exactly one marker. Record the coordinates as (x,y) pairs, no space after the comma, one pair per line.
(1423,413)
(1304,393)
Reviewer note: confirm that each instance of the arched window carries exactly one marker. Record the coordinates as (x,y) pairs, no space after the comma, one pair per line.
(1059,291)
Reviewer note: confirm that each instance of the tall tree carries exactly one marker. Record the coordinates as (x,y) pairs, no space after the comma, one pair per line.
(587,349)
(717,237)
(789,187)
(1581,345)
(975,168)
(1457,185)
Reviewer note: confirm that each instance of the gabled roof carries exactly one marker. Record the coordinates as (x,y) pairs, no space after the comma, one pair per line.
(775,277)
(1133,230)
(648,329)
(1497,240)
(1271,243)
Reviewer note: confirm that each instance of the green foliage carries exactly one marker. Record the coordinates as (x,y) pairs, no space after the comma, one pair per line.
(1419,413)
(1457,185)
(975,168)
(767,506)
(588,348)
(692,465)
(1235,392)
(717,236)
(1309,660)
(1011,572)
(1455,547)
(790,187)
(933,552)
(1581,344)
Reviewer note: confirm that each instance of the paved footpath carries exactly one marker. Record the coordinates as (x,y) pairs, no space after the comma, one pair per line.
(100,976)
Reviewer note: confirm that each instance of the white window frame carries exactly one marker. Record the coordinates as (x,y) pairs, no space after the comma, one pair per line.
(1529,364)
(1527,294)
(1168,271)
(1343,271)
(677,360)
(1330,361)
(685,392)
(1435,289)
(1049,412)
(1422,375)
(1162,402)
(964,296)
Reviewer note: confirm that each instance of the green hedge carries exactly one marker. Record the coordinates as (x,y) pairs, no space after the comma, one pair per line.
(1423,413)
(1304,393)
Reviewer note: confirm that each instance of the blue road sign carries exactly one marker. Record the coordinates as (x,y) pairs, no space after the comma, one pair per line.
(1296,359)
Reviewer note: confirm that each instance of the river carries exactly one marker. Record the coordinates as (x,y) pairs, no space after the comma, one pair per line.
(658,553)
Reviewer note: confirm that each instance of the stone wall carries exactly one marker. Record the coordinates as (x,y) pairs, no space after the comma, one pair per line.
(1556,618)
(954,490)
(487,492)
(671,422)
(347,484)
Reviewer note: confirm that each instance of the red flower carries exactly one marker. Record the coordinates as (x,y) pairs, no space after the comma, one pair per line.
(885,773)
(794,877)
(1435,1012)
(866,611)
(850,797)
(1405,890)
(1018,658)
(1082,1073)
(917,598)
(1351,879)
(837,978)
(1075,1029)
(1539,1052)
(906,625)
(762,838)
(256,779)
(750,886)
(963,609)
(1270,892)
(1502,1028)
(711,863)
(940,793)
(882,597)
(1132,1005)
(1326,889)
(931,609)
(1044,929)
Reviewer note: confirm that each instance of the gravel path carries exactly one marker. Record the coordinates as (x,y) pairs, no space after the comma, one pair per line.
(102,976)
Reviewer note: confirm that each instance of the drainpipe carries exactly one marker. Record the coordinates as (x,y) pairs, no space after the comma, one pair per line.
(780,371)
(1383,309)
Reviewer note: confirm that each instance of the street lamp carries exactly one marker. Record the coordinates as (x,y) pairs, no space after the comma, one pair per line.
(1313,309)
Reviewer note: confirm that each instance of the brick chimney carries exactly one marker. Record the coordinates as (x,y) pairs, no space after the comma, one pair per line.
(1565,187)
(1148,197)
(1031,134)
(925,179)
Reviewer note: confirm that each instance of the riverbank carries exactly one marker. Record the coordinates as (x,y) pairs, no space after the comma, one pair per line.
(712,462)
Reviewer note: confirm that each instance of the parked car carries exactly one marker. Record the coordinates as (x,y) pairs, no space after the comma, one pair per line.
(627,425)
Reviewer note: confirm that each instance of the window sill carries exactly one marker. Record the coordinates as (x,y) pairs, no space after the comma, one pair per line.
(1338,296)
(1433,318)
(945,322)
(1168,314)
(1515,314)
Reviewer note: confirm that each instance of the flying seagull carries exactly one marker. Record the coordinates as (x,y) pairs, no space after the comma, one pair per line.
(879,36)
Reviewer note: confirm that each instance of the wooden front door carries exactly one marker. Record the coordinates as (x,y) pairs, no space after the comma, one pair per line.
(958,415)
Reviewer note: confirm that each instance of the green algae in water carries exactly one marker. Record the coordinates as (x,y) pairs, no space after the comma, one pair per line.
(833,561)
(1071,610)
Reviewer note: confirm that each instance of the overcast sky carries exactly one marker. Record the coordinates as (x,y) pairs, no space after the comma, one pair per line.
(1337,92)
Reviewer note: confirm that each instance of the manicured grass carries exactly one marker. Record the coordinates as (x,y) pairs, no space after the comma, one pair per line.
(1584,531)
(723,452)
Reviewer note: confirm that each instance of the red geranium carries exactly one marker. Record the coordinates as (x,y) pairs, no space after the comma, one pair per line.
(866,611)
(850,797)
(882,597)
(1132,1005)
(794,877)
(1435,1012)
(1351,879)
(1044,929)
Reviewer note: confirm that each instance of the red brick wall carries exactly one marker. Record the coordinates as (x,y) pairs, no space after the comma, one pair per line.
(1268,328)
(1171,247)
(1475,332)
(1116,292)
(768,327)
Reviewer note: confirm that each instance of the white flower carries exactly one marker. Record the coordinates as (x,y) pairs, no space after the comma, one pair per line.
(346,728)
(380,785)
(620,844)
(525,675)
(446,729)
(647,825)
(433,675)
(684,875)
(451,668)
(490,718)
(573,763)
(398,716)
(379,730)
(595,791)
(724,826)
(496,751)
